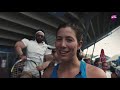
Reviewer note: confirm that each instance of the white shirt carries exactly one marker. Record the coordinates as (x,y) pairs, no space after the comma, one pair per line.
(108,74)
(35,52)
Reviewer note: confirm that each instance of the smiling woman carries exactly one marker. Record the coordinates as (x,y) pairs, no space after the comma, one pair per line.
(68,42)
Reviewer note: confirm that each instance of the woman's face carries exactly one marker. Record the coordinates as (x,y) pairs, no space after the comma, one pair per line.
(66,44)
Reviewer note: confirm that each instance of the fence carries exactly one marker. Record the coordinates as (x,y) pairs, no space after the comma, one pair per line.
(7,59)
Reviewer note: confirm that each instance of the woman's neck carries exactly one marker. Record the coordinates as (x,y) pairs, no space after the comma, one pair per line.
(69,69)
(74,63)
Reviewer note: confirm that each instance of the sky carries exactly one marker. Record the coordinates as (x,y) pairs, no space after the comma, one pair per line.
(110,44)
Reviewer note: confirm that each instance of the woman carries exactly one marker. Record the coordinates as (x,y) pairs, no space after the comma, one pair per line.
(68,42)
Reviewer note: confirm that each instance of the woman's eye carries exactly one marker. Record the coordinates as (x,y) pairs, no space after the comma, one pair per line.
(69,40)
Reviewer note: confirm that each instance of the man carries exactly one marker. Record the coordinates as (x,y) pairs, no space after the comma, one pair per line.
(36,50)
(87,60)
(105,69)
(97,63)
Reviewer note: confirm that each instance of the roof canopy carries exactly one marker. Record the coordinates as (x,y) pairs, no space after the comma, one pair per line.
(17,25)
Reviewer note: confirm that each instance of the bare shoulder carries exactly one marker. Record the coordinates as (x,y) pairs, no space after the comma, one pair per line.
(48,71)
(94,72)
(19,44)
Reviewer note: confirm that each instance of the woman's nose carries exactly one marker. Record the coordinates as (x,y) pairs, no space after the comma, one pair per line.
(63,43)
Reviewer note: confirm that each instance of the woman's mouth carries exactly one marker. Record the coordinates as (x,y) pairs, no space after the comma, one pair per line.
(63,52)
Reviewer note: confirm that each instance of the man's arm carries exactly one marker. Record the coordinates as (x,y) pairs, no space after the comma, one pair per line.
(43,66)
(48,71)
(18,47)
(47,61)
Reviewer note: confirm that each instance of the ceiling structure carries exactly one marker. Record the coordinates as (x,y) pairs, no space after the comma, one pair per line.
(17,25)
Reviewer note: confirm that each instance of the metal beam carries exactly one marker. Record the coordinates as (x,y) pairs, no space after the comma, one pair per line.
(16,20)
(98,25)
(84,27)
(93,51)
(9,36)
(12,35)
(40,18)
(63,19)
(12,27)
(92,29)
(74,15)
(103,24)
(89,37)
(25,21)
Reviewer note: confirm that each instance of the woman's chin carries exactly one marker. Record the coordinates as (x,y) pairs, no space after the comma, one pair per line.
(64,59)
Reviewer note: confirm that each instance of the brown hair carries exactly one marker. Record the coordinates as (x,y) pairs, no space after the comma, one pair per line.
(78,30)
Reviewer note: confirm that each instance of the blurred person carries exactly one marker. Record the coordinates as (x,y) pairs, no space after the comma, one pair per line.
(105,69)
(87,60)
(36,50)
(69,40)
(55,59)
(117,71)
(80,54)
(97,63)
(113,74)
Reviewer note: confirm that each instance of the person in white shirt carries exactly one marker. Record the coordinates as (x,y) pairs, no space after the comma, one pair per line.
(105,69)
(36,50)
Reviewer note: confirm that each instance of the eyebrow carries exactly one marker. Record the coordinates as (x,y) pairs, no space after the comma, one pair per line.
(66,37)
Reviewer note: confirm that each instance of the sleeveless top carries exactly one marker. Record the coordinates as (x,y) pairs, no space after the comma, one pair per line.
(81,74)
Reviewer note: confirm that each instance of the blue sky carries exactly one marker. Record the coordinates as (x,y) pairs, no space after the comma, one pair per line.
(110,44)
